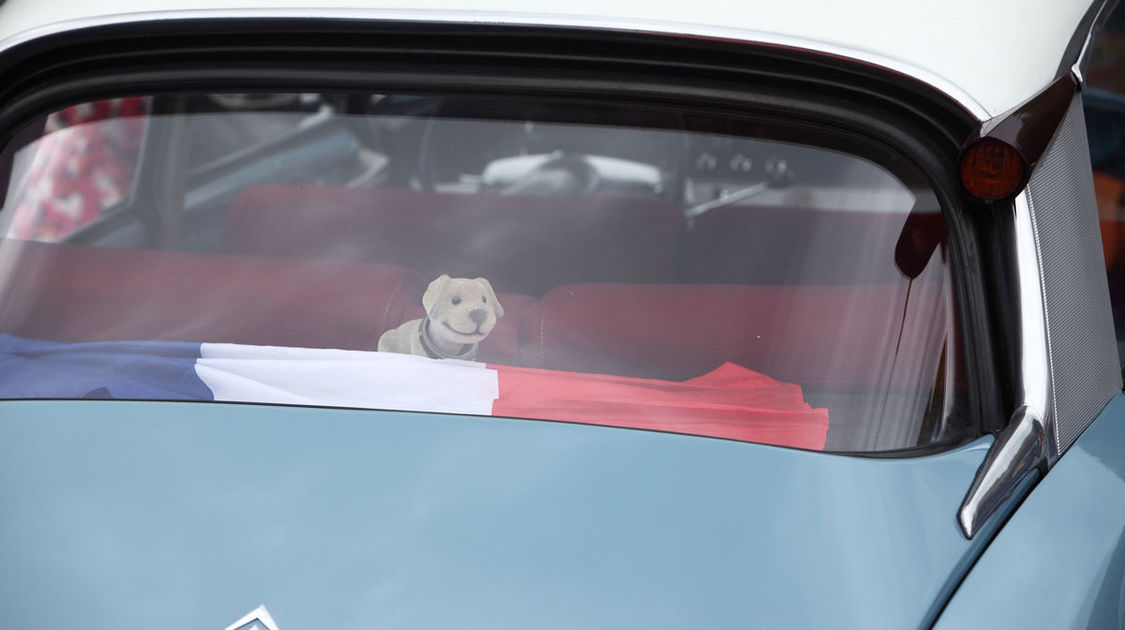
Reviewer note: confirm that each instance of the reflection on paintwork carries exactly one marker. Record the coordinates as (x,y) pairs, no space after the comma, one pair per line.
(118,513)
(1070,532)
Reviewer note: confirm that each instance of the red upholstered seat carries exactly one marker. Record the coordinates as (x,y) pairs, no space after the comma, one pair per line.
(522,245)
(74,293)
(787,245)
(825,336)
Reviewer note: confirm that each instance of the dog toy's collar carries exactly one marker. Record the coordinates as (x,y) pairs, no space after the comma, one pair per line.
(468,352)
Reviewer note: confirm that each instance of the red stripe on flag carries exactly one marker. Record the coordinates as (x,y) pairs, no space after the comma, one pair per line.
(729,402)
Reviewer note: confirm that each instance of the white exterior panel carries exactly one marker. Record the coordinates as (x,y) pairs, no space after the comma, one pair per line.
(989,55)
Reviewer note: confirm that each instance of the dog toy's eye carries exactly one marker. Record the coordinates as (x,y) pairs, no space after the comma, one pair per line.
(484,299)
(456,300)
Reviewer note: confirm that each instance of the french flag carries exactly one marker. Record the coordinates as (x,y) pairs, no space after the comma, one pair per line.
(729,402)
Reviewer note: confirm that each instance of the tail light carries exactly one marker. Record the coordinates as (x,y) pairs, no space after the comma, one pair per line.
(992,170)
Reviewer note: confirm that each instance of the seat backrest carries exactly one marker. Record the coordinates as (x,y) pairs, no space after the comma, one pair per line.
(825,336)
(524,245)
(74,293)
(790,245)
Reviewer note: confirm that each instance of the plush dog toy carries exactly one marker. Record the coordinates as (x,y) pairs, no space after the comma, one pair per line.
(460,312)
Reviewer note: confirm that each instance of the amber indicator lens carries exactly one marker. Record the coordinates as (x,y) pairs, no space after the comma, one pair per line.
(991,169)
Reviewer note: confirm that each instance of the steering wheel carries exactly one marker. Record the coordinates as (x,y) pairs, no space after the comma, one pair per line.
(562,174)
(565,175)
(509,158)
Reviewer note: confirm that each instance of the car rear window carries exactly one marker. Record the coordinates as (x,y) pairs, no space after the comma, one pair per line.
(715,275)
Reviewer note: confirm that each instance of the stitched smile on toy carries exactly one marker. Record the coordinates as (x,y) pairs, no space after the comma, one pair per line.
(467,334)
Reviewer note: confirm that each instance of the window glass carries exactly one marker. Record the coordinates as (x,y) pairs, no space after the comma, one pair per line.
(648,269)
(83,166)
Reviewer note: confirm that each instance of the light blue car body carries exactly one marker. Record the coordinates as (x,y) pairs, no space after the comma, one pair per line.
(187,515)
(1059,562)
(173,515)
(126,514)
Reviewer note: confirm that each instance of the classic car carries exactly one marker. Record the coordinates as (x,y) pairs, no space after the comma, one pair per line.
(474,315)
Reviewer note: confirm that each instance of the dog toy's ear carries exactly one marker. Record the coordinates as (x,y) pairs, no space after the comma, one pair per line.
(430,297)
(491,295)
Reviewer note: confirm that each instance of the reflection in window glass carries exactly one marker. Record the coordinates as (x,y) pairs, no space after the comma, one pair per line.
(83,166)
(540,260)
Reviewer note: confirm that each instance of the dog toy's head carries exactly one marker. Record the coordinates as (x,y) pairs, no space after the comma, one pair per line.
(461,310)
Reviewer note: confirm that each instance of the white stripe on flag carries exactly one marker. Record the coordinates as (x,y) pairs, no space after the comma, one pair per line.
(346,378)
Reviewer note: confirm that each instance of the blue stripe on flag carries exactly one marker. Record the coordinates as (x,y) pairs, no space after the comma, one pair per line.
(162,370)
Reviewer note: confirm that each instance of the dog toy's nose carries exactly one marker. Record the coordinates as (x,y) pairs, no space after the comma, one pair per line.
(478,315)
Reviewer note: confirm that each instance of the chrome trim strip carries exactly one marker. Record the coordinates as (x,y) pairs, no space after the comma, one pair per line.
(1020,450)
(653,27)
(1028,442)
(1034,344)
(1078,69)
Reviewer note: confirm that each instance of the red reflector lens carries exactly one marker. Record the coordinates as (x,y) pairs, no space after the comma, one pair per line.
(991,169)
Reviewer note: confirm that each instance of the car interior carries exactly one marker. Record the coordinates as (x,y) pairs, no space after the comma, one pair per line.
(628,244)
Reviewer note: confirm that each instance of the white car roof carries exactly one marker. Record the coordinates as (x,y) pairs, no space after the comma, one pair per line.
(989,55)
